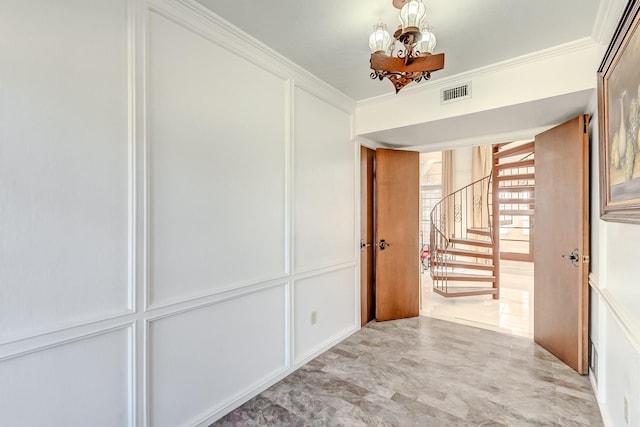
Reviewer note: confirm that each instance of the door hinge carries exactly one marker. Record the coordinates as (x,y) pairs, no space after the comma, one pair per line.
(586,119)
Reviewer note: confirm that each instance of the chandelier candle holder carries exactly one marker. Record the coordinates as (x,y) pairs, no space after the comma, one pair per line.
(414,59)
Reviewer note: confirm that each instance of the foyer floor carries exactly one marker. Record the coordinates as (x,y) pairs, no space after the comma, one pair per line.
(511,314)
(426,372)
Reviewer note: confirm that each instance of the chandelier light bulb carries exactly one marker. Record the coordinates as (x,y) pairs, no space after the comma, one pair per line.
(380,39)
(428,40)
(412,15)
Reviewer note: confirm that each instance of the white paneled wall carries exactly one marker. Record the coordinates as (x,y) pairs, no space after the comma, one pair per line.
(217,166)
(64,165)
(232,346)
(175,200)
(324,218)
(324,310)
(615,318)
(85,382)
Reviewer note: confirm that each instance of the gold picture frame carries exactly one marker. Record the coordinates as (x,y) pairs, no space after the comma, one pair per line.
(619,121)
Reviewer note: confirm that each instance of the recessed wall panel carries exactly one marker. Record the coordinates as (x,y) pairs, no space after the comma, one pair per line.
(201,359)
(621,281)
(82,383)
(622,372)
(64,164)
(324,309)
(324,184)
(217,166)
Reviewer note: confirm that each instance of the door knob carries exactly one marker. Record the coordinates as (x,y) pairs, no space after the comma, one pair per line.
(573,257)
(383,245)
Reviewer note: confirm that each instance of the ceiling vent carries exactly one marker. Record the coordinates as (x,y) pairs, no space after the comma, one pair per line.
(455,93)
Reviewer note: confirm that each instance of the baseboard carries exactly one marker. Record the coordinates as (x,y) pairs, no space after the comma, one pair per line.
(255,390)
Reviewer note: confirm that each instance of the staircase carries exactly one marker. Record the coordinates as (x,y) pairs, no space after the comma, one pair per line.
(466,225)
(514,190)
(461,242)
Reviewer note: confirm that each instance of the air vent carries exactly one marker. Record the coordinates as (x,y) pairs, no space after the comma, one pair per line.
(455,93)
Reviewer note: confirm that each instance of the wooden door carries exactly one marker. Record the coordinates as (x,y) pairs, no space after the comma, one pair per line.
(367,295)
(397,232)
(561,245)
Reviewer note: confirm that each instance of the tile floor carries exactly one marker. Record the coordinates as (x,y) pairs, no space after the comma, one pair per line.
(512,313)
(426,372)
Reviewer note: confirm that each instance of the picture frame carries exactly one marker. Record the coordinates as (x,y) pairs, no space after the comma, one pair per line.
(619,121)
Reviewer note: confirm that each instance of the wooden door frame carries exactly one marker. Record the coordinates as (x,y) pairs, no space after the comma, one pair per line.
(367,235)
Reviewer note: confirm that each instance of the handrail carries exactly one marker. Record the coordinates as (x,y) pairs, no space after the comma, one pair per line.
(450,219)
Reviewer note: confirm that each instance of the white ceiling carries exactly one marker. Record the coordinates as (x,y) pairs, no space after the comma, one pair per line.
(329,38)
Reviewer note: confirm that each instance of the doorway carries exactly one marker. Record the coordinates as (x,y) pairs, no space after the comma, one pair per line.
(513,312)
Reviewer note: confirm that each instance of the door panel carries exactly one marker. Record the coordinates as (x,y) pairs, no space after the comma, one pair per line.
(562,225)
(367,296)
(397,223)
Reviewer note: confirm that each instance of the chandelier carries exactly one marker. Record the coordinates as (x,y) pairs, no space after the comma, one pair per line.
(414,59)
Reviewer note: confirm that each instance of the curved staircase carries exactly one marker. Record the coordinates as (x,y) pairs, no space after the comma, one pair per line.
(465,225)
(462,247)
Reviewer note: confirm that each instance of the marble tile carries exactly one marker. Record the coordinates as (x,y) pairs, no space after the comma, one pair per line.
(426,372)
(512,313)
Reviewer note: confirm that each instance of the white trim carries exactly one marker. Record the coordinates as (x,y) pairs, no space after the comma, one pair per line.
(366,142)
(206,301)
(357,223)
(289,146)
(322,347)
(542,55)
(627,324)
(606,14)
(209,416)
(255,389)
(325,269)
(80,336)
(203,21)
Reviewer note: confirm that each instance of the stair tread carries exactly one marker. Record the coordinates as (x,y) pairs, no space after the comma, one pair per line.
(516,177)
(516,188)
(516,201)
(472,242)
(464,291)
(470,253)
(463,264)
(528,147)
(480,231)
(517,212)
(468,277)
(518,164)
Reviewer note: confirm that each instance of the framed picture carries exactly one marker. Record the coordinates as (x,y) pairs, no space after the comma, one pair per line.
(619,121)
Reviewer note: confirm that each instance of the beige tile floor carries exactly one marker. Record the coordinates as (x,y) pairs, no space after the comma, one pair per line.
(512,313)
(426,372)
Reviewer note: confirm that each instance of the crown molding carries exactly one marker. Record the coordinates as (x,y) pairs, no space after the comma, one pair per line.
(609,12)
(519,135)
(203,21)
(518,61)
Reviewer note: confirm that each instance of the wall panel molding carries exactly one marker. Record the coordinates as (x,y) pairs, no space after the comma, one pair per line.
(44,385)
(215,365)
(230,37)
(231,232)
(50,234)
(624,320)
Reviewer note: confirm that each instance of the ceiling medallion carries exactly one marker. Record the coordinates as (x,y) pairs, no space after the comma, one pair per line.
(414,60)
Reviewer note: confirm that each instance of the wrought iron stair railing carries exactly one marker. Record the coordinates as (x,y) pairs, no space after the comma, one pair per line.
(462,242)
